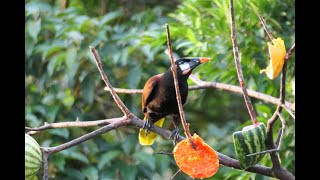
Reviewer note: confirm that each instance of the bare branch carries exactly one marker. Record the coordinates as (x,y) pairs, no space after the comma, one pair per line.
(292,114)
(73,124)
(265,27)
(45,156)
(125,91)
(281,131)
(238,67)
(289,53)
(269,140)
(175,174)
(279,140)
(176,85)
(216,85)
(166,153)
(130,119)
(115,96)
(86,137)
(134,121)
(204,84)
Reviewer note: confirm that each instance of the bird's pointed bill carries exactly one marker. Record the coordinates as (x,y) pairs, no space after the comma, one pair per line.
(204,59)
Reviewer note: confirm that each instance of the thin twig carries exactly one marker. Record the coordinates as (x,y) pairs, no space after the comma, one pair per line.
(166,153)
(263,152)
(265,27)
(175,174)
(269,140)
(237,89)
(73,124)
(282,129)
(279,139)
(45,156)
(289,53)
(125,91)
(239,69)
(176,85)
(115,96)
(86,137)
(216,85)
(292,114)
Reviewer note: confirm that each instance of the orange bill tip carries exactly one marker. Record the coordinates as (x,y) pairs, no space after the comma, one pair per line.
(204,59)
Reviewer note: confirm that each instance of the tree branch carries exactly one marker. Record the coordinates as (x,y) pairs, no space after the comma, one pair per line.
(132,120)
(265,27)
(115,96)
(269,140)
(289,53)
(45,156)
(86,137)
(239,69)
(73,124)
(216,85)
(232,88)
(176,85)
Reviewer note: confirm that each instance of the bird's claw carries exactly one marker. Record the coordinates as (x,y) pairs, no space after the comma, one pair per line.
(147,126)
(175,135)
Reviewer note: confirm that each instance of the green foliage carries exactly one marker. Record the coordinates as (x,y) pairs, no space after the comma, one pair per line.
(62,82)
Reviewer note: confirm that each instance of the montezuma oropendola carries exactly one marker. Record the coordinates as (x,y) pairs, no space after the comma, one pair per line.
(159,97)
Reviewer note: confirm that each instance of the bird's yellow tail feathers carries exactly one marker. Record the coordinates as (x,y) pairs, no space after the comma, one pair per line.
(145,139)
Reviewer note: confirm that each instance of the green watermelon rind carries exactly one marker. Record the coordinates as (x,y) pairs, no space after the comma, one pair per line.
(250,141)
(33,157)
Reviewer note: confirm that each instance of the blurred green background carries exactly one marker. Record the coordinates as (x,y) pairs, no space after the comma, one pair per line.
(62,82)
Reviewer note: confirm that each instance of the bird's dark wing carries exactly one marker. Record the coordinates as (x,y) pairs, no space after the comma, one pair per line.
(149,91)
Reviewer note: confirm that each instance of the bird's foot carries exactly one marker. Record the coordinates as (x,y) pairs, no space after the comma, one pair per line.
(175,135)
(147,126)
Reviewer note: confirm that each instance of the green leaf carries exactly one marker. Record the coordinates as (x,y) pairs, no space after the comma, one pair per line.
(72,64)
(146,159)
(107,157)
(51,50)
(59,161)
(129,172)
(191,36)
(88,89)
(54,62)
(134,76)
(91,173)
(35,7)
(162,163)
(264,110)
(32,120)
(129,144)
(60,132)
(77,155)
(33,28)
(29,45)
(52,112)
(110,16)
(66,97)
(74,174)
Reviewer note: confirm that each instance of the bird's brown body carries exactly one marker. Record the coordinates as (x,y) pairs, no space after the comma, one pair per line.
(159,95)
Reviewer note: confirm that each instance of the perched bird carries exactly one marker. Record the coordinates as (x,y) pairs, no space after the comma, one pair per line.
(159,97)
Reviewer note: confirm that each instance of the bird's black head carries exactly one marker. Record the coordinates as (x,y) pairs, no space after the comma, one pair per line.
(187,64)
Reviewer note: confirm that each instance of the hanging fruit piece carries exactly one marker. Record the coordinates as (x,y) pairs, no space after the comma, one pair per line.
(33,158)
(277,53)
(201,162)
(248,141)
